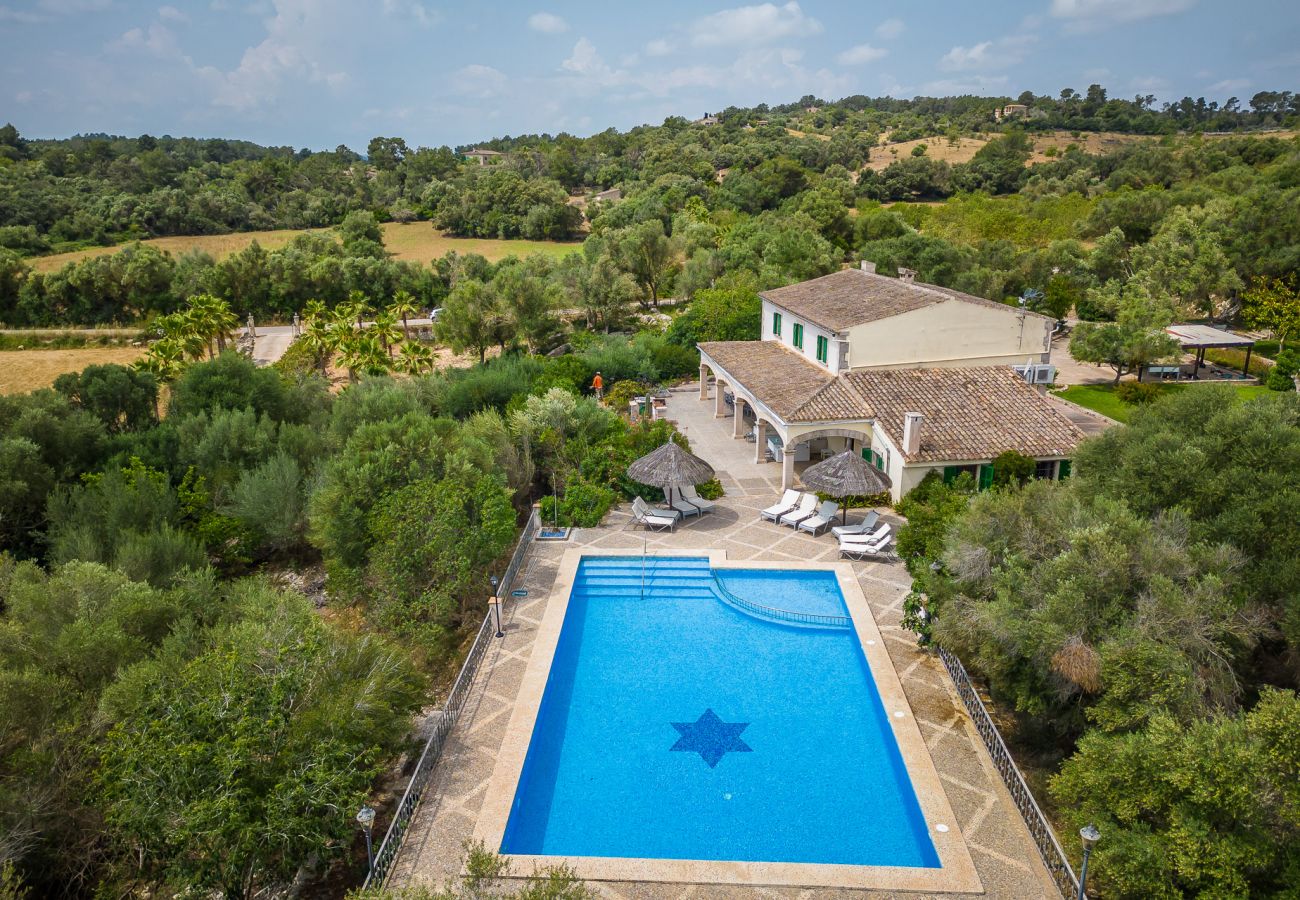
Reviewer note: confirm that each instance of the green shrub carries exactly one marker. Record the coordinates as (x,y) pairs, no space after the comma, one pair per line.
(584,504)
(1138,393)
(232,381)
(1282,376)
(269,502)
(159,556)
(1011,467)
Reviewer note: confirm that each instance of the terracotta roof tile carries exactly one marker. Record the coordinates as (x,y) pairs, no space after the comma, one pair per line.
(780,378)
(852,297)
(970,413)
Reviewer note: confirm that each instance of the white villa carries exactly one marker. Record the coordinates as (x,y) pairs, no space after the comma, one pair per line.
(917,377)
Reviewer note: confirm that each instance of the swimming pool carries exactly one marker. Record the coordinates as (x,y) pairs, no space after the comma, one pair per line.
(697,711)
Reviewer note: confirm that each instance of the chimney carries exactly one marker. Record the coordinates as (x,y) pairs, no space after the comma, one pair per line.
(906,274)
(912,433)
(869,267)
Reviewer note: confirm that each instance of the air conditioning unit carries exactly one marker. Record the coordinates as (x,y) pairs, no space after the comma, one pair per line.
(1037,373)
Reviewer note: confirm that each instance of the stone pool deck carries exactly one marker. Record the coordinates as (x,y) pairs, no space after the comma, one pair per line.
(1003,852)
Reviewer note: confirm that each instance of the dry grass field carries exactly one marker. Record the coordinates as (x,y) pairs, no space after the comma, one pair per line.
(26,370)
(412,241)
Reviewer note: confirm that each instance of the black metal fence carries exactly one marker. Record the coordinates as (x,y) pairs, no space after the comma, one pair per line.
(1039,828)
(446,719)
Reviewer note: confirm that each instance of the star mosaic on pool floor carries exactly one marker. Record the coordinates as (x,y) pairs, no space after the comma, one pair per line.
(711,737)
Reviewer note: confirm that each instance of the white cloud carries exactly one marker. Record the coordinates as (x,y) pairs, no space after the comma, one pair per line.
(658,47)
(987,55)
(1230,85)
(1087,15)
(889,29)
(478,81)
(766,69)
(547,23)
(860,55)
(752,25)
(157,39)
(585,61)
(73,6)
(422,15)
(21,16)
(976,56)
(171,14)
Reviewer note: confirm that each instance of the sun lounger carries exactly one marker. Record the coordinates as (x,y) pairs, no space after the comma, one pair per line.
(789,500)
(825,516)
(696,500)
(874,537)
(863,527)
(806,509)
(861,549)
(685,507)
(651,519)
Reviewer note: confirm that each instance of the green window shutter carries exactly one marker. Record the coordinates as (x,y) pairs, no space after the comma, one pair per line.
(776,324)
(986,476)
(798,335)
(950,474)
(1064,471)
(822,347)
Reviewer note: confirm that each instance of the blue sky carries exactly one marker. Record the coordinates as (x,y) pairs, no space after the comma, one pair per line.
(317,73)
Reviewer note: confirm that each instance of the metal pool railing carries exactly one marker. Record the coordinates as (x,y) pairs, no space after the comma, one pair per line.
(1058,866)
(782,615)
(446,719)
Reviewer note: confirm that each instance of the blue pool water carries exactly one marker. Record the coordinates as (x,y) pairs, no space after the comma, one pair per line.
(676,726)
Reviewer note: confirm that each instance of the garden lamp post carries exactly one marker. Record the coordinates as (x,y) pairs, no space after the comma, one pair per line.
(496,604)
(366,819)
(1089,835)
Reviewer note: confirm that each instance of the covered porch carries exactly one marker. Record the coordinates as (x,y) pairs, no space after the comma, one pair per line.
(758,394)
(1194,341)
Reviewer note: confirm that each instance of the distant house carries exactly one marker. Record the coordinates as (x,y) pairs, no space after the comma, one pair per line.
(484,157)
(1010,111)
(610,195)
(707,119)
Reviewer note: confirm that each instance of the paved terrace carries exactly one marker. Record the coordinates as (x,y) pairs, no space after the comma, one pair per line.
(1004,854)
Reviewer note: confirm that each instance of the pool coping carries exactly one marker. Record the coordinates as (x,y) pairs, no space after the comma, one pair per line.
(955,874)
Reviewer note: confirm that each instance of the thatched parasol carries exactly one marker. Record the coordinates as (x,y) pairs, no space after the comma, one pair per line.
(846,474)
(668,467)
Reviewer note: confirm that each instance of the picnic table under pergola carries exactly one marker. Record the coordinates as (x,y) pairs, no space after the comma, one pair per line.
(1197,339)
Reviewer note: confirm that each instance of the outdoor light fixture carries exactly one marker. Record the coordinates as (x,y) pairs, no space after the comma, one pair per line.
(1089,835)
(366,819)
(496,604)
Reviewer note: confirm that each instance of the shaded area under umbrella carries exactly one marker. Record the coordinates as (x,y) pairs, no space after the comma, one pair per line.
(844,475)
(670,467)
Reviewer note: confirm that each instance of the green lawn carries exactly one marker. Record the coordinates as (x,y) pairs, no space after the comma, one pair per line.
(1101,397)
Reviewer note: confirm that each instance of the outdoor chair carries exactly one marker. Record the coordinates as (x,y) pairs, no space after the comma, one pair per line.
(684,507)
(650,519)
(789,500)
(806,509)
(862,549)
(863,527)
(688,491)
(825,516)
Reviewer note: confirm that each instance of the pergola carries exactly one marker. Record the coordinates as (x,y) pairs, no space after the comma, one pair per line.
(1199,338)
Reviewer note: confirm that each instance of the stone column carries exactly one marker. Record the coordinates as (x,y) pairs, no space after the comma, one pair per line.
(787,468)
(719,399)
(760,445)
(738,426)
(704,382)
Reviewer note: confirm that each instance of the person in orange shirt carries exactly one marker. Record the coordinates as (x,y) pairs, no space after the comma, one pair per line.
(598,385)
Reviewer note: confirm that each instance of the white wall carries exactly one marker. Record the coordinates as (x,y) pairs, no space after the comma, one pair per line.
(810,334)
(952,333)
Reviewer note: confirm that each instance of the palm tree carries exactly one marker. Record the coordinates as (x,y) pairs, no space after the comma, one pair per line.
(320,341)
(384,328)
(415,358)
(403,306)
(218,317)
(165,358)
(359,306)
(361,353)
(314,311)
